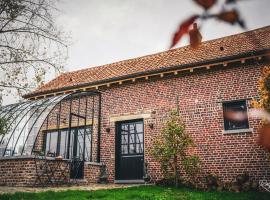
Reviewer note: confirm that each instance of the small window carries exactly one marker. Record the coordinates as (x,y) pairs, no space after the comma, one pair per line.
(235,115)
(51,142)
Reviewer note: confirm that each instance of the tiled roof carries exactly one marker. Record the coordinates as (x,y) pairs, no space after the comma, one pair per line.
(236,44)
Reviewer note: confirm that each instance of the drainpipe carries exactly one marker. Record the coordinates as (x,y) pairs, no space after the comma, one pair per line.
(99,127)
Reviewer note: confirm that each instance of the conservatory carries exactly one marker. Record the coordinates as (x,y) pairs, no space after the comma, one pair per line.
(58,134)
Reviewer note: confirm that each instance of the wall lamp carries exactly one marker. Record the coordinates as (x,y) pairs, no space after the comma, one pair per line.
(151,125)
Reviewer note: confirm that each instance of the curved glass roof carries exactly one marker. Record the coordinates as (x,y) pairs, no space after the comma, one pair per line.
(24,121)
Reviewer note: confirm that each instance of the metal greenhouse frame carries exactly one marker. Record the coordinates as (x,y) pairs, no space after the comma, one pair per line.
(66,127)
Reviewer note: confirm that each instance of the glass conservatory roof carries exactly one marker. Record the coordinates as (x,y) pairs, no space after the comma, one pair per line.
(22,124)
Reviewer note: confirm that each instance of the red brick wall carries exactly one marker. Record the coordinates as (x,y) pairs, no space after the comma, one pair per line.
(91,172)
(200,103)
(19,172)
(22,172)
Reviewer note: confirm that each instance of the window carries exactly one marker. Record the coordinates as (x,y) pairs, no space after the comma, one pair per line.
(51,142)
(235,115)
(132,138)
(63,143)
(76,142)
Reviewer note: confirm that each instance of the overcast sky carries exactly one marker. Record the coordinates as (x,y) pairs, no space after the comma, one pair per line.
(106,31)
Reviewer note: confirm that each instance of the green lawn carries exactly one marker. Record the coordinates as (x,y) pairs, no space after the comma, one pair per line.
(138,193)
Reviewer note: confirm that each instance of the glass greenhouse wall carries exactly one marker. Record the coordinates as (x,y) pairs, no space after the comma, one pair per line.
(66,126)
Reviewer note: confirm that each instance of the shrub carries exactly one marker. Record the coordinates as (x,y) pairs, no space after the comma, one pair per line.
(170,148)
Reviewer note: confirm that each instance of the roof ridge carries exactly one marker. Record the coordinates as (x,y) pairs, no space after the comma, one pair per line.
(149,56)
(227,46)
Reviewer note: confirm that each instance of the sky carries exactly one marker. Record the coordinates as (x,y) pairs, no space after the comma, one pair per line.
(106,31)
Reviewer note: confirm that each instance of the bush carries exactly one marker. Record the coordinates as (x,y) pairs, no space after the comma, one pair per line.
(242,182)
(170,148)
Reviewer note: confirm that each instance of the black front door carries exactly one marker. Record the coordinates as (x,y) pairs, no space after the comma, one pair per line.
(129,150)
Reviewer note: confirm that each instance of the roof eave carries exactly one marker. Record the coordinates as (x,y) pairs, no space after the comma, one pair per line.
(160,70)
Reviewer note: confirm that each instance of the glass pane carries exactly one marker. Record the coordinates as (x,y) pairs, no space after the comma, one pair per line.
(139,148)
(71,143)
(48,139)
(63,143)
(124,127)
(10,137)
(131,128)
(124,149)
(33,126)
(139,128)
(132,138)
(14,118)
(139,138)
(52,142)
(80,145)
(88,143)
(132,148)
(124,139)
(235,109)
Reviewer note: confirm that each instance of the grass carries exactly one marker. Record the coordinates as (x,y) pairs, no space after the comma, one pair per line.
(138,193)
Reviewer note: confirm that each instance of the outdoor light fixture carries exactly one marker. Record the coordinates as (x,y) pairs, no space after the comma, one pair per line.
(108,130)
(151,125)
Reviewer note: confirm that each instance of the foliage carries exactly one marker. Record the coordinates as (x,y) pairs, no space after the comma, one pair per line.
(242,182)
(225,14)
(264,90)
(171,146)
(138,193)
(191,165)
(264,104)
(3,126)
(31,44)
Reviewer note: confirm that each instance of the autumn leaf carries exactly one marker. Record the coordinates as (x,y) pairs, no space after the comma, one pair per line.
(206,4)
(232,17)
(183,29)
(264,137)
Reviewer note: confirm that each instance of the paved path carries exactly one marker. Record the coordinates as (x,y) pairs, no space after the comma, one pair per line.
(4,189)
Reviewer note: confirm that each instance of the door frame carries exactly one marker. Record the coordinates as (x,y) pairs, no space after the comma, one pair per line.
(117,146)
(76,161)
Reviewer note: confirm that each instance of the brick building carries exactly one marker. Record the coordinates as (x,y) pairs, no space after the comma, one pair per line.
(110,115)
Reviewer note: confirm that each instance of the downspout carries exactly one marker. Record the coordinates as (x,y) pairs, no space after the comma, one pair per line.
(99,127)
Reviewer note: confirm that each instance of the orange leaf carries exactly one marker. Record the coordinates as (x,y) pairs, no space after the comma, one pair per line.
(206,4)
(264,138)
(231,16)
(183,29)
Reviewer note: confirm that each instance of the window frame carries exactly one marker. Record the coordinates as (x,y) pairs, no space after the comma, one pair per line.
(58,143)
(246,125)
(128,133)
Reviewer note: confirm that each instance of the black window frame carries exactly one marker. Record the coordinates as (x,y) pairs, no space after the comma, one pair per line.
(135,143)
(235,105)
(58,143)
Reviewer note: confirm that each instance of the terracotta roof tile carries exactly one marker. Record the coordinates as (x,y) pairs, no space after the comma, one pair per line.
(235,44)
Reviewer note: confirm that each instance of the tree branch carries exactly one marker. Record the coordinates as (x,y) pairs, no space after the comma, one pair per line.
(16,87)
